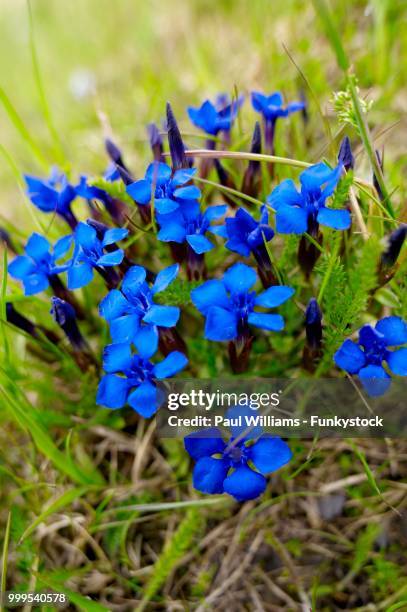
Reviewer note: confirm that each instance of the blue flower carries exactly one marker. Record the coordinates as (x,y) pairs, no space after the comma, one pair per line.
(228,304)
(272,106)
(136,384)
(213,118)
(38,265)
(188,224)
(224,467)
(168,190)
(90,253)
(366,357)
(245,234)
(131,312)
(297,212)
(52,195)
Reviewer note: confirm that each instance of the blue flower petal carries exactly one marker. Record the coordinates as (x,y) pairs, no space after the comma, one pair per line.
(285,194)
(35,283)
(113,305)
(37,247)
(270,322)
(190,192)
(146,340)
(218,230)
(171,232)
(269,453)
(292,107)
(182,176)
(79,275)
(158,173)
(394,329)
(20,267)
(209,474)
(214,212)
(200,244)
(163,316)
(275,99)
(112,391)
(350,357)
(244,484)
(144,399)
(123,329)
(165,206)
(62,246)
(274,296)
(210,293)
(133,281)
(317,175)
(113,258)
(140,191)
(85,235)
(397,361)
(368,336)
(114,235)
(171,365)
(259,101)
(239,278)
(291,220)
(375,380)
(337,219)
(204,443)
(165,278)
(220,324)
(237,246)
(116,357)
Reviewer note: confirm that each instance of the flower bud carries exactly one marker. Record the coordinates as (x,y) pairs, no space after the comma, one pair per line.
(252,177)
(156,142)
(177,149)
(345,155)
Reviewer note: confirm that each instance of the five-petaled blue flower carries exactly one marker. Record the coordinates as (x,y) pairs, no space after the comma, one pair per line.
(131,312)
(245,234)
(298,212)
(188,224)
(224,467)
(366,357)
(136,385)
(38,265)
(90,253)
(54,194)
(167,189)
(213,118)
(272,106)
(228,304)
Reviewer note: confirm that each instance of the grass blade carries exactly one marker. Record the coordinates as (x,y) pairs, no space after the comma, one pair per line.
(64,500)
(4,558)
(21,128)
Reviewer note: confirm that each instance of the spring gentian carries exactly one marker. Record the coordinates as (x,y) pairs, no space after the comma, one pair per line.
(39,264)
(299,212)
(224,467)
(188,224)
(136,384)
(244,234)
(213,118)
(52,195)
(271,108)
(229,304)
(366,357)
(132,314)
(168,190)
(89,253)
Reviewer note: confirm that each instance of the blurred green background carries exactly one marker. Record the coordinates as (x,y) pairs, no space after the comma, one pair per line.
(124,59)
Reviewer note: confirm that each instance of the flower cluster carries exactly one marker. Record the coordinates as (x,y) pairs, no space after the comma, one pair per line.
(366,357)
(224,467)
(206,241)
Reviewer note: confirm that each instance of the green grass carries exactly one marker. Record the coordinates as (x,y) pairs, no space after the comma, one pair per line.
(101,509)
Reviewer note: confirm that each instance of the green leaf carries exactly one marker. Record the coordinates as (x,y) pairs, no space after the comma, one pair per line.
(5,555)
